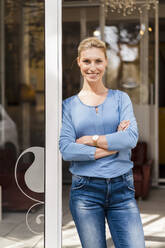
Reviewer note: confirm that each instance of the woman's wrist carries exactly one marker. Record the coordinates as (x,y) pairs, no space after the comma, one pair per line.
(90,141)
(97,140)
(102,142)
(100,153)
(86,140)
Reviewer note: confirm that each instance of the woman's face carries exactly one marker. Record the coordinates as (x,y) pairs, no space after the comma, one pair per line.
(92,63)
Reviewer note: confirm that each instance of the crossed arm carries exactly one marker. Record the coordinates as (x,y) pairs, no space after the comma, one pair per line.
(83,149)
(102,145)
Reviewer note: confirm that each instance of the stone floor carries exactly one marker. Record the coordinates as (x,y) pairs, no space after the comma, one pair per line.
(14,232)
(152,214)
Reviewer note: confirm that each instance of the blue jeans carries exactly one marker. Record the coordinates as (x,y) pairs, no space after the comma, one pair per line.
(92,200)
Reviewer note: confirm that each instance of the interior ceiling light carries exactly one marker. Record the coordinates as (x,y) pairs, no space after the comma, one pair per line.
(127,7)
(96,33)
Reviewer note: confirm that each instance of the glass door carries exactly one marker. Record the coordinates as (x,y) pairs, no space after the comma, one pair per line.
(22,123)
(132,46)
(80,20)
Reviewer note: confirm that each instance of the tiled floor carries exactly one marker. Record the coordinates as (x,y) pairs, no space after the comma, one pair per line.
(15,234)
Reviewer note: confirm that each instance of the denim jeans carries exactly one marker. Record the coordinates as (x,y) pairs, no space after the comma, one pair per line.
(94,200)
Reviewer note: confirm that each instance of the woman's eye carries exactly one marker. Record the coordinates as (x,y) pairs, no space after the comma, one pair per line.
(98,61)
(86,61)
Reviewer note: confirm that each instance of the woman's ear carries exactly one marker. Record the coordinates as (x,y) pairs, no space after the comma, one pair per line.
(78,61)
(106,63)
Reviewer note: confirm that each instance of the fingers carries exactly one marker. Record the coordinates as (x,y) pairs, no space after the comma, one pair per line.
(124,122)
(78,141)
(113,152)
(86,140)
(123,125)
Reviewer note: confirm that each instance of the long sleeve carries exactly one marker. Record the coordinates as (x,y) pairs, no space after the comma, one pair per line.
(127,139)
(70,150)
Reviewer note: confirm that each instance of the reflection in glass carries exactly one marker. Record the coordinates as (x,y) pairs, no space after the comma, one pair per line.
(126,48)
(123,57)
(126,39)
(22,122)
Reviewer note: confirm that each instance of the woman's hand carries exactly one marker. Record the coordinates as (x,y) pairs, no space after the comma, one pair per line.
(100,153)
(86,140)
(123,125)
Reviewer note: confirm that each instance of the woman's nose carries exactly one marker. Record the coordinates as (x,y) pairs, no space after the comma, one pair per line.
(92,66)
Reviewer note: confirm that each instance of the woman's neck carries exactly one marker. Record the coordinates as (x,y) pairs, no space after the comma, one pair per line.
(97,88)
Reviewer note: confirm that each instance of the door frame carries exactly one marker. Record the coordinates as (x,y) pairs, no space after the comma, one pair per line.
(53,100)
(156,124)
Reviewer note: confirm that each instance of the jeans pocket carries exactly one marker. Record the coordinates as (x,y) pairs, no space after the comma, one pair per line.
(78,182)
(130,182)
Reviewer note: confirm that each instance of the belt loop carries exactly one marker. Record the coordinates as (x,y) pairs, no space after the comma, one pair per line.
(108,180)
(123,177)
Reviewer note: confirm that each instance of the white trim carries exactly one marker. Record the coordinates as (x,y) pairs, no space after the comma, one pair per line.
(144,58)
(53,93)
(156,169)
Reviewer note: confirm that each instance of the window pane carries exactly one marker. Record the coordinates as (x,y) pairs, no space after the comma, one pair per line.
(22,123)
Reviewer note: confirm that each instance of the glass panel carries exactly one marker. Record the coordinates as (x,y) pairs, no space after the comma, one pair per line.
(130,51)
(22,123)
(72,31)
(78,23)
(123,48)
(131,63)
(161,100)
(71,74)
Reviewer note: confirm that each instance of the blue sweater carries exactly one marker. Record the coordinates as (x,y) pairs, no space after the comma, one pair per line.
(79,119)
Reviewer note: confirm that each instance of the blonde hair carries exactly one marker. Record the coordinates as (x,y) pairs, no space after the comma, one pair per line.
(91,42)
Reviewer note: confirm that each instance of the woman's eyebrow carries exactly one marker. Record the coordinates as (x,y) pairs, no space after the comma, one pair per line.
(91,58)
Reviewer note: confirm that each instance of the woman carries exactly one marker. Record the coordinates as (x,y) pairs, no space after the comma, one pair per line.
(98,132)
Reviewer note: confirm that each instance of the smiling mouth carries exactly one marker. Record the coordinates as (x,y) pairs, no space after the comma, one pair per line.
(92,73)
